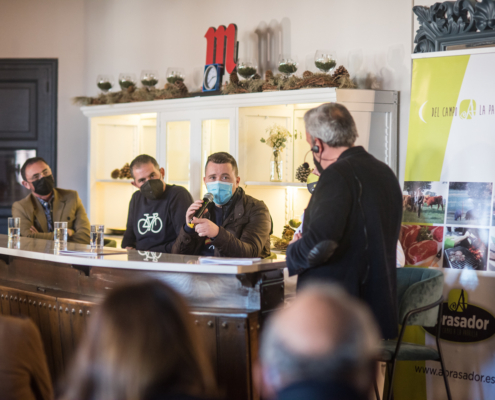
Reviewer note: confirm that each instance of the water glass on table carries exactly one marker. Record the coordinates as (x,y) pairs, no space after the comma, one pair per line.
(96,236)
(14,229)
(60,232)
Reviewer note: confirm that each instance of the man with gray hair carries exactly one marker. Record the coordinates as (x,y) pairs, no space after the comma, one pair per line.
(352,222)
(323,346)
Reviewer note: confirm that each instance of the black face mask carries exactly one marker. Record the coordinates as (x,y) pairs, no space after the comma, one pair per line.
(152,189)
(44,185)
(317,164)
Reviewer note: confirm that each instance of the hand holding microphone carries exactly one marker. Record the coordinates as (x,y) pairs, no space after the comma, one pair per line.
(198,208)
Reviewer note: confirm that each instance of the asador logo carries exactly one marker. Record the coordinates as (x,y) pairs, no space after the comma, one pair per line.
(464,322)
(467,109)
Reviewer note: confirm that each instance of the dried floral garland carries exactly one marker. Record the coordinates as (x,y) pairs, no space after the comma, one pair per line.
(132,94)
(339,79)
(177,90)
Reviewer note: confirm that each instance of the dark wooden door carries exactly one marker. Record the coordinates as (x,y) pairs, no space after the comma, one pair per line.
(28,123)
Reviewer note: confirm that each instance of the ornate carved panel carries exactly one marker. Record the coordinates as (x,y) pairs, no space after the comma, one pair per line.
(463,23)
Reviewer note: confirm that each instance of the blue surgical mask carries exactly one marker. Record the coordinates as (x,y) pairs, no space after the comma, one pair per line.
(221,191)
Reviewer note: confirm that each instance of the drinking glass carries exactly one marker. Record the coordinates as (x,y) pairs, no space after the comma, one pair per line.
(246,68)
(126,80)
(175,75)
(96,236)
(325,60)
(104,82)
(287,64)
(60,232)
(149,78)
(14,228)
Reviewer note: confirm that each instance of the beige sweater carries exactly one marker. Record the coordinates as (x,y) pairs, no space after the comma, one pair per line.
(23,369)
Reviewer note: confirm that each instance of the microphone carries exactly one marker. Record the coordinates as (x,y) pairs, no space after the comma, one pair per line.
(207,199)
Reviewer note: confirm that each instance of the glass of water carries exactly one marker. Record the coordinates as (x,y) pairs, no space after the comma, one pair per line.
(60,232)
(96,236)
(14,228)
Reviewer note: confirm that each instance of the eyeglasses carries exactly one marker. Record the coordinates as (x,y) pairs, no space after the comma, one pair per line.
(45,172)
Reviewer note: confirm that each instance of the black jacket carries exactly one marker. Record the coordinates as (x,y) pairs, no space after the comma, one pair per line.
(153,225)
(245,231)
(334,214)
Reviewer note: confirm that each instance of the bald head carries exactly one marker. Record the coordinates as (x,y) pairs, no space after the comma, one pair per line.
(308,327)
(324,334)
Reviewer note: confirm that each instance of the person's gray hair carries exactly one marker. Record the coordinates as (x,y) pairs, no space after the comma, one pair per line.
(332,123)
(353,357)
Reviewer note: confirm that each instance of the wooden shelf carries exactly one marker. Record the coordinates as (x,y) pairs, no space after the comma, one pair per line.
(281,184)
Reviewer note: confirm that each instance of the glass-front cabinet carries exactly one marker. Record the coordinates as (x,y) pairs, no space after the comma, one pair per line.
(182,133)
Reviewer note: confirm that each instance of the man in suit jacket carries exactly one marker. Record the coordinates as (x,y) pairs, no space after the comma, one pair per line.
(323,346)
(24,372)
(47,204)
(352,222)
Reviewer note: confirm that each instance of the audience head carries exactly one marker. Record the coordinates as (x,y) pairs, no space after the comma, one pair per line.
(324,335)
(332,124)
(221,176)
(148,176)
(37,177)
(141,343)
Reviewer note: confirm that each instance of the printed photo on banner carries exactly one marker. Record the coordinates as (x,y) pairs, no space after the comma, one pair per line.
(465,248)
(470,203)
(424,202)
(491,255)
(422,245)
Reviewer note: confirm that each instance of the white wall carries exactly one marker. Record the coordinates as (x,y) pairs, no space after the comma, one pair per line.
(54,29)
(372,39)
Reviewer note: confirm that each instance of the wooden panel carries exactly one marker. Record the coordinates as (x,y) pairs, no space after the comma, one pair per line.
(18,110)
(73,315)
(23,304)
(4,301)
(233,358)
(14,303)
(53,326)
(206,325)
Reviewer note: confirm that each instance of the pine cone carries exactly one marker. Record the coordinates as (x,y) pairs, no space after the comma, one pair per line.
(125,172)
(234,78)
(182,87)
(340,71)
(168,86)
(256,76)
(115,174)
(268,75)
(307,74)
(302,172)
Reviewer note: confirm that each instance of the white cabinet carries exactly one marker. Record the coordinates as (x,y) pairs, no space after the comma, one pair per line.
(182,133)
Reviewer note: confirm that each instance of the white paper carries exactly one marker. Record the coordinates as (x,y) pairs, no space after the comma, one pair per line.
(228,261)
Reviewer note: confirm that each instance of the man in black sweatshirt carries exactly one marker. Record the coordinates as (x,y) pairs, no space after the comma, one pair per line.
(156,211)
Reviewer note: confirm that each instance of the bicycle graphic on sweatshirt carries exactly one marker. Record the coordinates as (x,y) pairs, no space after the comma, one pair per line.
(153,224)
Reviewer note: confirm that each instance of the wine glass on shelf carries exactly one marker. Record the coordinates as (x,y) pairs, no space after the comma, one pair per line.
(175,75)
(246,68)
(325,60)
(149,78)
(104,82)
(287,64)
(126,80)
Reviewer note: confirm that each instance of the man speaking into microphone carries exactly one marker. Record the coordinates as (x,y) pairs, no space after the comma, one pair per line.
(233,225)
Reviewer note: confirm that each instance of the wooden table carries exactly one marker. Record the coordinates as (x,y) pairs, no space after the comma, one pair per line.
(60,292)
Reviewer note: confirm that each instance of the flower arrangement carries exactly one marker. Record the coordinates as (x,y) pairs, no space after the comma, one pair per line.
(277,139)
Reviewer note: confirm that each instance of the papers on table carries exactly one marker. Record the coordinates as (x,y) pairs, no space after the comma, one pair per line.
(228,261)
